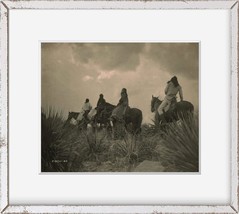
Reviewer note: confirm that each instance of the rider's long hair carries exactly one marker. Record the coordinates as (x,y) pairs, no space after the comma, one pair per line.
(174,80)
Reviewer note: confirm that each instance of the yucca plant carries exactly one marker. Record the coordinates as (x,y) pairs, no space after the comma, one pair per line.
(125,149)
(182,144)
(146,147)
(59,145)
(51,141)
(97,143)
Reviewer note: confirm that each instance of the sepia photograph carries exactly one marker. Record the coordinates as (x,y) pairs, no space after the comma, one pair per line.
(120,107)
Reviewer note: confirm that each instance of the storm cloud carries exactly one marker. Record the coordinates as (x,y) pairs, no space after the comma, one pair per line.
(176,58)
(109,56)
(72,72)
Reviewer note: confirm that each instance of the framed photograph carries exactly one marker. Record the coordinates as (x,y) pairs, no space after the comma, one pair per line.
(119,107)
(133,133)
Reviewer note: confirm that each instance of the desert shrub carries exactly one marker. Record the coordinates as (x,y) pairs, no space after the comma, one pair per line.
(66,148)
(182,145)
(51,149)
(61,145)
(124,151)
(146,147)
(151,137)
(98,145)
(150,130)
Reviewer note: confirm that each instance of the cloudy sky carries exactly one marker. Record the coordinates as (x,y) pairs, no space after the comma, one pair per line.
(72,72)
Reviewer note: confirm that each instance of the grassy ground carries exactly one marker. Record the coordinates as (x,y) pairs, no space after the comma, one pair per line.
(65,148)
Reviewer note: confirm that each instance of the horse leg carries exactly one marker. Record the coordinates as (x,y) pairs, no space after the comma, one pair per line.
(162,118)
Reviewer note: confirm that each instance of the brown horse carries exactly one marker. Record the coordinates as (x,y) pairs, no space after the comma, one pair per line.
(131,123)
(177,110)
(132,120)
(103,114)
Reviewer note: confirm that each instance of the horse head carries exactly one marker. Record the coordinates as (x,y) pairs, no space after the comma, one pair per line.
(71,115)
(155,102)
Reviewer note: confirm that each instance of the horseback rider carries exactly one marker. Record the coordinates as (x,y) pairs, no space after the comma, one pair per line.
(123,104)
(171,91)
(100,106)
(86,108)
(101,101)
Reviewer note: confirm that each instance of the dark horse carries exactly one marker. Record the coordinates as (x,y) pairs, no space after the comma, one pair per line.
(176,111)
(103,114)
(132,121)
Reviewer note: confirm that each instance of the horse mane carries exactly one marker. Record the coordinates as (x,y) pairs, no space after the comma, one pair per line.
(157,99)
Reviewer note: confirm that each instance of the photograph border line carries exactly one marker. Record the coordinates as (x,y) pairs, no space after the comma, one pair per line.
(126,41)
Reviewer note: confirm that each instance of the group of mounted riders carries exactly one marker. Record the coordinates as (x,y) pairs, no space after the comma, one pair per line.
(123,113)
(116,112)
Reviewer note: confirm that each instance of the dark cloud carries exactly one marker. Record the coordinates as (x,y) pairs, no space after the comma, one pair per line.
(82,52)
(58,59)
(110,56)
(176,58)
(72,72)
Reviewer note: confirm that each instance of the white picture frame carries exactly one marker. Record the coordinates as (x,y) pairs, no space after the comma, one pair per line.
(6,6)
